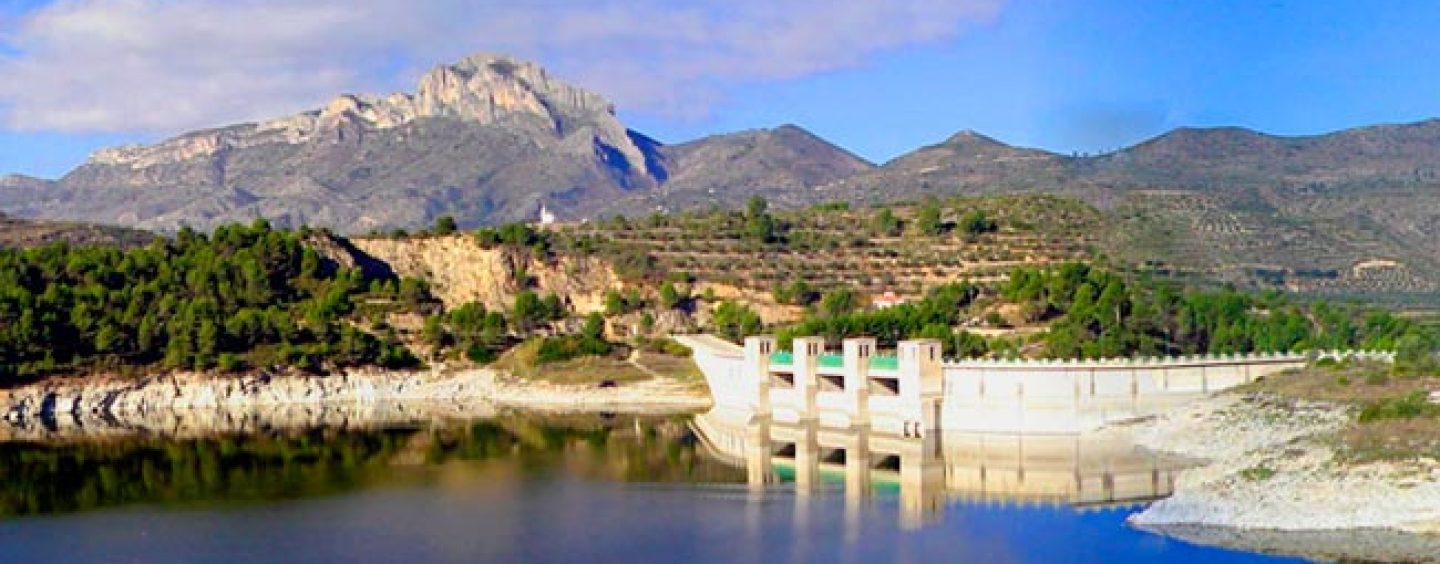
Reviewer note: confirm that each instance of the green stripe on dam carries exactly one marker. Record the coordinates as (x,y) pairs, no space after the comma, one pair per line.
(879,362)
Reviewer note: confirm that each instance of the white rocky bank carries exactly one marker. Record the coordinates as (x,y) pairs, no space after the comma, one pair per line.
(1267,466)
(173,403)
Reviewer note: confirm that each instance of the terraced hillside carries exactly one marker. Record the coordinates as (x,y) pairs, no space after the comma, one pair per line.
(1185,234)
(22,233)
(1205,236)
(830,247)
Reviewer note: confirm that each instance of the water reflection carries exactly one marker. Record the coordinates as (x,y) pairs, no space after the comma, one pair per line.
(94,468)
(928,473)
(526,487)
(75,475)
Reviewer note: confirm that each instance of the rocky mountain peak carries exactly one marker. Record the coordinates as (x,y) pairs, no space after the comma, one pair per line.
(484,89)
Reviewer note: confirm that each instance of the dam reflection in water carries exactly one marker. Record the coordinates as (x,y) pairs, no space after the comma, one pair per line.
(928,473)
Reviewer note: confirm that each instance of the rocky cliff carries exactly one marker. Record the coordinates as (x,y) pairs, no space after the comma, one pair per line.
(460,271)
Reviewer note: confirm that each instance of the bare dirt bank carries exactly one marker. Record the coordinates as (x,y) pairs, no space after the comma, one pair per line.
(1271,482)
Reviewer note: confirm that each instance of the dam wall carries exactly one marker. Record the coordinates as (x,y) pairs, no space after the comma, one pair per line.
(914,390)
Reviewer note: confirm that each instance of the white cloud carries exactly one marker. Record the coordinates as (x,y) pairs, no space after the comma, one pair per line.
(166,65)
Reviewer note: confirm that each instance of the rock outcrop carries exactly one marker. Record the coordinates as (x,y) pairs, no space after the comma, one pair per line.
(460,271)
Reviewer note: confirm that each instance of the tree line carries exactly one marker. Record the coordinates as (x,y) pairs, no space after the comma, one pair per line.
(1093,312)
(242,296)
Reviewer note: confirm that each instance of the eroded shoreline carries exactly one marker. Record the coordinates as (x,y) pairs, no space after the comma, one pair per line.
(1271,481)
(193,404)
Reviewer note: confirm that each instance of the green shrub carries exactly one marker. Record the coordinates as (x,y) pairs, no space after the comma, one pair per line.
(662,346)
(560,349)
(479,353)
(1257,473)
(1409,406)
(445,225)
(228,362)
(735,321)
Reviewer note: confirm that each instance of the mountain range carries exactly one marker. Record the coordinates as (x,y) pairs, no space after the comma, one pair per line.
(487,139)
(490,139)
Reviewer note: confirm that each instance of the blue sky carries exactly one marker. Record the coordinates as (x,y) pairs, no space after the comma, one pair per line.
(879,79)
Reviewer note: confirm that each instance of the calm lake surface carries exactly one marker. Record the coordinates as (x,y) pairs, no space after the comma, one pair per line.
(562,489)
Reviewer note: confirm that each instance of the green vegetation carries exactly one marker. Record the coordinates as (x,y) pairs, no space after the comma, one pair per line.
(445,225)
(244,296)
(619,304)
(1257,473)
(515,235)
(670,296)
(927,220)
(590,342)
(885,223)
(1098,313)
(976,222)
(1409,406)
(1093,312)
(567,347)
(735,321)
(759,224)
(662,346)
(795,292)
(479,334)
(931,318)
(531,311)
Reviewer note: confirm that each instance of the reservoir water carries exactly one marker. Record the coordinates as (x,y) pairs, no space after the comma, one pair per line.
(527,488)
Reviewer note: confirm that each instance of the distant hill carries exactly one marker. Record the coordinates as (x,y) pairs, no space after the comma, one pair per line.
(1351,212)
(21,233)
(782,164)
(967,163)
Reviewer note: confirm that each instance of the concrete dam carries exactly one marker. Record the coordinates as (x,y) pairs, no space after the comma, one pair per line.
(913,391)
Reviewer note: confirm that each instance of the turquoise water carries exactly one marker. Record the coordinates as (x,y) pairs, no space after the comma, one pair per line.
(514,489)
